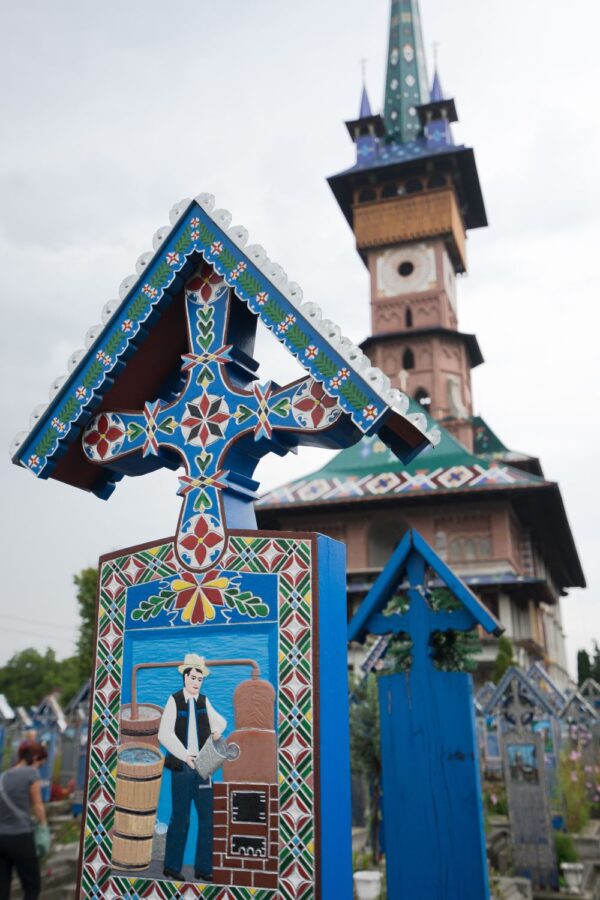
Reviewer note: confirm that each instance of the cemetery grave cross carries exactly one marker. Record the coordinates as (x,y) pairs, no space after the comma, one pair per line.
(205,425)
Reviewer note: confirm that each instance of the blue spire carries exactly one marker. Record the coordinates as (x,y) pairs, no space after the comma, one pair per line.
(365,106)
(436,88)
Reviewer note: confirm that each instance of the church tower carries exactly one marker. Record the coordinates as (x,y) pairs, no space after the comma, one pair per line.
(410,199)
(489,511)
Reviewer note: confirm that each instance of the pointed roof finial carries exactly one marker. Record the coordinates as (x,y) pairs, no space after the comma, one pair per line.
(436,87)
(365,106)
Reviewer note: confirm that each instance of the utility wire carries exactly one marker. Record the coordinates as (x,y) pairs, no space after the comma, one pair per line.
(60,625)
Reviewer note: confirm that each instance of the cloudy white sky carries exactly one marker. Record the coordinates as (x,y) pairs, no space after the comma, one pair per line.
(111,112)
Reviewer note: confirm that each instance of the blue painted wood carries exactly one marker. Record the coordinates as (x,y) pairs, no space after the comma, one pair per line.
(336,813)
(432,799)
(431,788)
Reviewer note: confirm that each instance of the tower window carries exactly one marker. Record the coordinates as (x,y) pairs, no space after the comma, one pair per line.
(366,194)
(408,317)
(408,359)
(422,397)
(406,268)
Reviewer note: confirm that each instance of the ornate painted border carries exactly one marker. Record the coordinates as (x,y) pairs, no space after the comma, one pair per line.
(292,560)
(383,484)
(197,232)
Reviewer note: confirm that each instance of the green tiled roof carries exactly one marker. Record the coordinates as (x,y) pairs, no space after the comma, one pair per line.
(370,470)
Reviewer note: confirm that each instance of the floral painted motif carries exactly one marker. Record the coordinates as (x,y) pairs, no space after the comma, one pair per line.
(262,298)
(370,412)
(206,420)
(80,393)
(104,436)
(204,284)
(126,326)
(172,259)
(313,407)
(311,352)
(201,540)
(195,599)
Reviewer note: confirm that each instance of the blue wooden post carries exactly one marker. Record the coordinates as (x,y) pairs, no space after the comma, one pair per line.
(432,800)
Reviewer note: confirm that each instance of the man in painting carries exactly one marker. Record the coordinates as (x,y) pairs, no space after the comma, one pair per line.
(187,722)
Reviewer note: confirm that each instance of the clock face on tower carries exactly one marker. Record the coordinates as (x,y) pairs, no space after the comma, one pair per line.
(404,270)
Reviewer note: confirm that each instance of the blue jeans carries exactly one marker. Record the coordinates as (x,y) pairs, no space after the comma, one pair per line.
(186,788)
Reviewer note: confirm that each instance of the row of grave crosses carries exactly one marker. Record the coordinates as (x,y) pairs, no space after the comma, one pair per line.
(219,425)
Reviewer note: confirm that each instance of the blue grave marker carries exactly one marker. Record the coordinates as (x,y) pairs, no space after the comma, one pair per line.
(169,380)
(432,800)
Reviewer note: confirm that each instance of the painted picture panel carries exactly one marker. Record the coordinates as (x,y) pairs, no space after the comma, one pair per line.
(203,766)
(522,761)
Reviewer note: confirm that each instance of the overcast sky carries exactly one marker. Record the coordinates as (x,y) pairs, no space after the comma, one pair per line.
(111,112)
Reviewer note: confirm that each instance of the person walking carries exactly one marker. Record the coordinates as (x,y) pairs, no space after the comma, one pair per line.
(20,797)
(187,722)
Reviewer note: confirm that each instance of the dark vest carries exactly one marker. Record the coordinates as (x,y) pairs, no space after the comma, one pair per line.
(181,726)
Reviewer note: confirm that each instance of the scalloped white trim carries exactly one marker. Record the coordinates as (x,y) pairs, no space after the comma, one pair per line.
(238,234)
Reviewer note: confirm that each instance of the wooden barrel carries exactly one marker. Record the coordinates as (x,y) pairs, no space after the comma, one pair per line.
(139,772)
(144,727)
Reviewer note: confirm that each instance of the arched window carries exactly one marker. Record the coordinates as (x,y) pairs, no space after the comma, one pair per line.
(437,181)
(389,190)
(367,194)
(422,397)
(408,317)
(408,359)
(413,185)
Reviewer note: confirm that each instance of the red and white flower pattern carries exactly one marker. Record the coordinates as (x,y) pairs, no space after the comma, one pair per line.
(200,542)
(216,247)
(205,286)
(370,412)
(104,436)
(261,298)
(312,407)
(127,325)
(56,423)
(149,291)
(172,258)
(311,352)
(81,392)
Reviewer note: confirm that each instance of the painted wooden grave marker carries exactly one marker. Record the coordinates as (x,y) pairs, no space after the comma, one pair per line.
(518,705)
(432,803)
(248,627)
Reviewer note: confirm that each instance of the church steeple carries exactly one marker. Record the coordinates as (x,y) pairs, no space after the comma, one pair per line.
(406,85)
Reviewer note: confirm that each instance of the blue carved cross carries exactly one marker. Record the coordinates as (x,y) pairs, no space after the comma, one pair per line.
(421,620)
(218,426)
(410,561)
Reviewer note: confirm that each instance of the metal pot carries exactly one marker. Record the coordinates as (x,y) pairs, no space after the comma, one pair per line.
(213,754)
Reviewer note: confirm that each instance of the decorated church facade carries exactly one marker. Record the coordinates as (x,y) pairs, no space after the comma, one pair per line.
(410,198)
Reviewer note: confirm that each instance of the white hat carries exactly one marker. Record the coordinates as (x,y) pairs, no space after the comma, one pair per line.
(193,661)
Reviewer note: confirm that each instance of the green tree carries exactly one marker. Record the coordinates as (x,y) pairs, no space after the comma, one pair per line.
(86,582)
(365,756)
(504,659)
(584,666)
(595,663)
(29,676)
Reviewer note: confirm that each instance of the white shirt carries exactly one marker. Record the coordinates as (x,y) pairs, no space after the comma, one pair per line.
(166,732)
